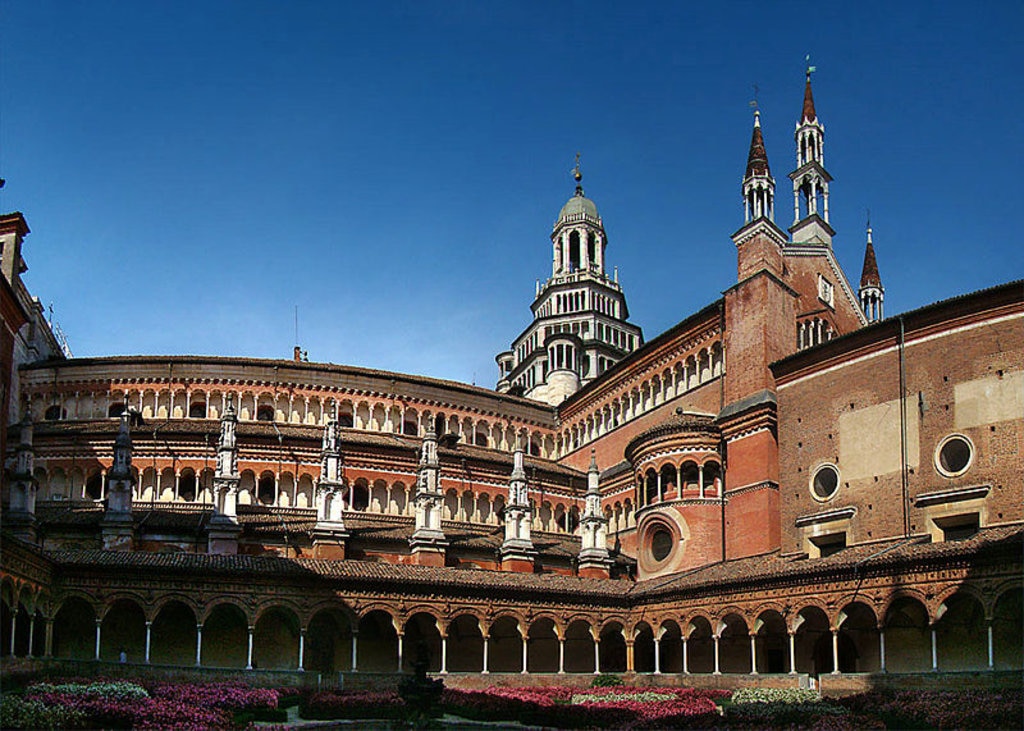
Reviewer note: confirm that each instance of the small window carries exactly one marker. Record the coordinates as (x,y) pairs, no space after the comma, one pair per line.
(826,291)
(954,455)
(265,413)
(825,482)
(661,544)
(827,545)
(958,527)
(197,410)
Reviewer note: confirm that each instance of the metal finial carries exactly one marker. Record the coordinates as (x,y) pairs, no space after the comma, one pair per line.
(810,69)
(869,217)
(753,102)
(576,174)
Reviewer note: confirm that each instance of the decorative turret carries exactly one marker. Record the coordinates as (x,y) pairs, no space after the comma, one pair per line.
(871,293)
(21,515)
(224,528)
(329,534)
(810,178)
(758,184)
(594,560)
(117,526)
(517,551)
(759,241)
(428,542)
(579,327)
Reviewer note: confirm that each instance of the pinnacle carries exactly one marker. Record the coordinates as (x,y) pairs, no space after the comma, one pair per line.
(869,276)
(757,160)
(809,114)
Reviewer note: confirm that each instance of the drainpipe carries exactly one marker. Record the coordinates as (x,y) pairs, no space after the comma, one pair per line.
(903,429)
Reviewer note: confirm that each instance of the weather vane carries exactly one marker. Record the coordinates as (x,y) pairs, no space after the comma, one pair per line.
(576,170)
(810,69)
(753,102)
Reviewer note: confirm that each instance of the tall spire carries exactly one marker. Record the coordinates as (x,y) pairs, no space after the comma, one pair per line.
(758,184)
(871,292)
(116,525)
(809,114)
(810,179)
(517,552)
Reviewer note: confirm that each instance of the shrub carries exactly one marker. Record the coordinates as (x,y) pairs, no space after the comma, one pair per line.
(955,709)
(113,691)
(360,704)
(776,695)
(25,713)
(605,680)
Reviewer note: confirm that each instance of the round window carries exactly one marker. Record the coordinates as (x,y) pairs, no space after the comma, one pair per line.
(954,455)
(661,544)
(825,482)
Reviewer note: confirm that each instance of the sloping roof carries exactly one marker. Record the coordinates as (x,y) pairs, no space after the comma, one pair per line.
(757,159)
(869,276)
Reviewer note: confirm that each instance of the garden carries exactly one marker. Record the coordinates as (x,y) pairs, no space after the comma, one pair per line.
(76,703)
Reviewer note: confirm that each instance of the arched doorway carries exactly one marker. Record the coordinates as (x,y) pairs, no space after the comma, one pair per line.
(329,642)
(613,648)
(542,655)
(505,646)
(173,640)
(465,645)
(123,629)
(422,643)
(275,644)
(378,643)
(74,630)
(225,638)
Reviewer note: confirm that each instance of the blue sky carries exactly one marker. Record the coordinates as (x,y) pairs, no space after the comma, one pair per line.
(192,171)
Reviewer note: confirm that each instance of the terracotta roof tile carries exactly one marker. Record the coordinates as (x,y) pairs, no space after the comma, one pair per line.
(869,274)
(809,115)
(757,159)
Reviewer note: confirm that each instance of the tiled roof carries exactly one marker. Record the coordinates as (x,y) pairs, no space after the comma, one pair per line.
(809,115)
(772,567)
(350,571)
(869,274)
(757,160)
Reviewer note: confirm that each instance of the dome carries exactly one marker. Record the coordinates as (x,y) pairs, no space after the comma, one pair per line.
(578,204)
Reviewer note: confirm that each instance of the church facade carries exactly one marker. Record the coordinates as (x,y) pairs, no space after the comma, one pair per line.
(785,483)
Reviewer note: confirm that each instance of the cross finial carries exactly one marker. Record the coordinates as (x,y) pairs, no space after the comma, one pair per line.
(576,170)
(869,217)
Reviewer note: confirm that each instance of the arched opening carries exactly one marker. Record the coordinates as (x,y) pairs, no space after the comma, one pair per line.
(265,413)
(734,645)
(197,410)
(329,642)
(613,648)
(907,637)
(574,251)
(266,489)
(275,643)
(858,639)
(643,648)
(115,409)
(712,473)
(465,645)
(668,482)
(55,413)
(378,643)
(690,477)
(1008,631)
(74,630)
(123,629)
(670,648)
(961,634)
(187,488)
(650,486)
(225,638)
(592,249)
(542,651)
(173,640)
(772,643)
(813,642)
(422,643)
(94,487)
(579,647)
(360,495)
(700,650)
(505,647)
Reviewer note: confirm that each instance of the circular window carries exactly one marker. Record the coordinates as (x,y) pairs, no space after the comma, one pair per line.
(661,544)
(954,455)
(825,482)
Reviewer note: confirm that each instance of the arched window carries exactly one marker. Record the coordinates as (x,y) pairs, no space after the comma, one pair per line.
(265,413)
(55,413)
(574,250)
(94,487)
(592,249)
(197,410)
(265,491)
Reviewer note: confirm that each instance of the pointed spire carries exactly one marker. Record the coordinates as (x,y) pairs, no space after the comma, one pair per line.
(809,114)
(757,159)
(869,275)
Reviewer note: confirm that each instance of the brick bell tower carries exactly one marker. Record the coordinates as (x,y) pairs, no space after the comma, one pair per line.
(760,317)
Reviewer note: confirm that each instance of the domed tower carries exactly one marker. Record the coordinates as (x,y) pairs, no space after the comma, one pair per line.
(579,327)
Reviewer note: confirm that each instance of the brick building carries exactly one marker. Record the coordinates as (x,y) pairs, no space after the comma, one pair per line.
(783,483)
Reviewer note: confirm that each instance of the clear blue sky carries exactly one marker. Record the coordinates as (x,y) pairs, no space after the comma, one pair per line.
(192,171)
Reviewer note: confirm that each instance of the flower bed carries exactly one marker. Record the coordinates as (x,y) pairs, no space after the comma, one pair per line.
(76,703)
(923,709)
(352,705)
